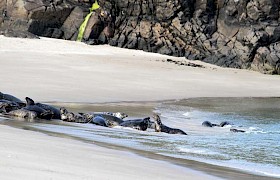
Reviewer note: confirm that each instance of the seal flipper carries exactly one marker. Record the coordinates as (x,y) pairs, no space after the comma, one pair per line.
(29,101)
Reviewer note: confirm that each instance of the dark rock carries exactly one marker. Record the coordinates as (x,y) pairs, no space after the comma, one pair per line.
(267,59)
(236,34)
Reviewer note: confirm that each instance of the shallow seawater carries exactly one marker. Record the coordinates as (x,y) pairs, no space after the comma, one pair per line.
(256,151)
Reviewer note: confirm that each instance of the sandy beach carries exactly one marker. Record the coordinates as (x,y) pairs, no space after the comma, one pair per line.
(50,70)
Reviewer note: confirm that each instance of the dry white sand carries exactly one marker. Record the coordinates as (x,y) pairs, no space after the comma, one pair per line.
(63,71)
(57,70)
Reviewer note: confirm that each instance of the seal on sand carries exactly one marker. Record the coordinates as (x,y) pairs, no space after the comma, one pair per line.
(159,127)
(55,111)
(151,125)
(120,115)
(97,120)
(23,113)
(111,121)
(139,124)
(11,98)
(42,113)
(71,117)
(7,106)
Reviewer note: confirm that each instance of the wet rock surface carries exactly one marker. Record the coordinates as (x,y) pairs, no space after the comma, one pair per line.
(238,33)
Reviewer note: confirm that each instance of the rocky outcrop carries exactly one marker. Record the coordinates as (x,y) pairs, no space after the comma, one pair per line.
(228,33)
(55,19)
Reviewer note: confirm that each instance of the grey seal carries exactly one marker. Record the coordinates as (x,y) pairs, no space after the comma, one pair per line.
(97,120)
(139,124)
(120,115)
(3,107)
(209,124)
(224,123)
(23,113)
(54,110)
(7,106)
(236,130)
(42,113)
(11,98)
(159,127)
(111,121)
(71,117)
(151,125)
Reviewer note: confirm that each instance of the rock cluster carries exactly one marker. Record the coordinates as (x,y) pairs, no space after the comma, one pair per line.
(228,33)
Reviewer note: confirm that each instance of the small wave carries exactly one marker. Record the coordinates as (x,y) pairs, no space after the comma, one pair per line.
(187,114)
(197,151)
(255,130)
(261,169)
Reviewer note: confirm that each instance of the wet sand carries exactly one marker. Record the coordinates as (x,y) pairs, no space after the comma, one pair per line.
(51,70)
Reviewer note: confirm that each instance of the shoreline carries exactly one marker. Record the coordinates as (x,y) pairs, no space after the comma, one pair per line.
(199,166)
(52,165)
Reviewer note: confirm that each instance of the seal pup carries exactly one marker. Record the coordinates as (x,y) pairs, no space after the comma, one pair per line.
(42,113)
(71,117)
(139,124)
(159,127)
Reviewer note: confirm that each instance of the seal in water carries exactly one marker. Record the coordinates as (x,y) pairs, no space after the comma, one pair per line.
(42,113)
(224,123)
(209,124)
(11,98)
(71,117)
(237,130)
(151,125)
(159,127)
(139,124)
